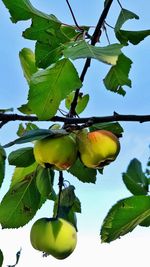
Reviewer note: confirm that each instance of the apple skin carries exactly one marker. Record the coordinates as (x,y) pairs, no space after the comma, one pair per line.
(97,148)
(56,237)
(59,152)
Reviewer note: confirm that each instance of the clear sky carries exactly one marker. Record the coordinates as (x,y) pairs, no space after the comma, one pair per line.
(132,249)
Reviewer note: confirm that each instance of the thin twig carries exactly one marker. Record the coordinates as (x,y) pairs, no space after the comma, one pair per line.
(73,16)
(60,184)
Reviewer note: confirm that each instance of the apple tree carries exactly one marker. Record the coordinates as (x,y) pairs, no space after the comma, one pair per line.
(81,146)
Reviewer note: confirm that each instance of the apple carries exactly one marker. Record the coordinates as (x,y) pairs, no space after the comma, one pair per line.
(59,152)
(97,148)
(54,236)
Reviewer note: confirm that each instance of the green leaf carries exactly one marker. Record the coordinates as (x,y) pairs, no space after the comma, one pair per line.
(44,182)
(1,258)
(21,173)
(84,174)
(135,179)
(27,59)
(134,37)
(124,216)
(2,164)
(20,203)
(25,109)
(69,204)
(4,110)
(50,34)
(36,135)
(114,127)
(118,75)
(123,17)
(22,157)
(22,10)
(50,86)
(81,103)
(108,54)
(28,127)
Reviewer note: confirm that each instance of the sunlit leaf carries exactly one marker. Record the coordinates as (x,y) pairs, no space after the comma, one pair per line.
(118,75)
(50,86)
(20,203)
(123,17)
(124,216)
(108,54)
(81,103)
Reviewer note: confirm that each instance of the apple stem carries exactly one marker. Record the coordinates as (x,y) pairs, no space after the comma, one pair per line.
(60,184)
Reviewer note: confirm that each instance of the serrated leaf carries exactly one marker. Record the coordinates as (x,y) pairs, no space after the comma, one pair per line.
(134,37)
(118,75)
(84,174)
(1,258)
(135,179)
(124,216)
(36,135)
(2,164)
(20,203)
(44,182)
(108,54)
(50,86)
(81,103)
(114,127)
(27,60)
(123,17)
(20,173)
(22,157)
(22,10)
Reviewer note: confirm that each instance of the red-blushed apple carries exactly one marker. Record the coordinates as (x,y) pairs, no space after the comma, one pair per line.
(56,237)
(97,148)
(59,152)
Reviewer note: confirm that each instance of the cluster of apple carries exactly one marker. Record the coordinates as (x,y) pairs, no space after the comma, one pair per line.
(95,149)
(56,236)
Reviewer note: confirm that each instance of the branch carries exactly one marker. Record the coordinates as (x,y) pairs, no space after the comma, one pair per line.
(74,122)
(94,39)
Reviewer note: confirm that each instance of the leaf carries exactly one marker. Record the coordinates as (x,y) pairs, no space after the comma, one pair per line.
(5,110)
(44,182)
(27,59)
(2,164)
(22,10)
(1,258)
(68,205)
(50,34)
(108,54)
(81,103)
(135,179)
(36,135)
(124,216)
(28,127)
(22,157)
(123,17)
(25,109)
(21,173)
(20,203)
(118,75)
(134,37)
(84,174)
(114,127)
(50,86)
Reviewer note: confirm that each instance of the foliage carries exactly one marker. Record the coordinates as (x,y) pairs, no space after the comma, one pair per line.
(52,79)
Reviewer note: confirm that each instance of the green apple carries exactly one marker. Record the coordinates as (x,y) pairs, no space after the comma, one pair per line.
(59,152)
(56,237)
(97,148)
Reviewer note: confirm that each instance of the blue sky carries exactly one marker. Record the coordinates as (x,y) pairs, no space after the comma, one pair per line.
(96,199)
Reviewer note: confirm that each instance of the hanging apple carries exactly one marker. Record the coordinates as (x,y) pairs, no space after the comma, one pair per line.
(59,152)
(56,237)
(97,148)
